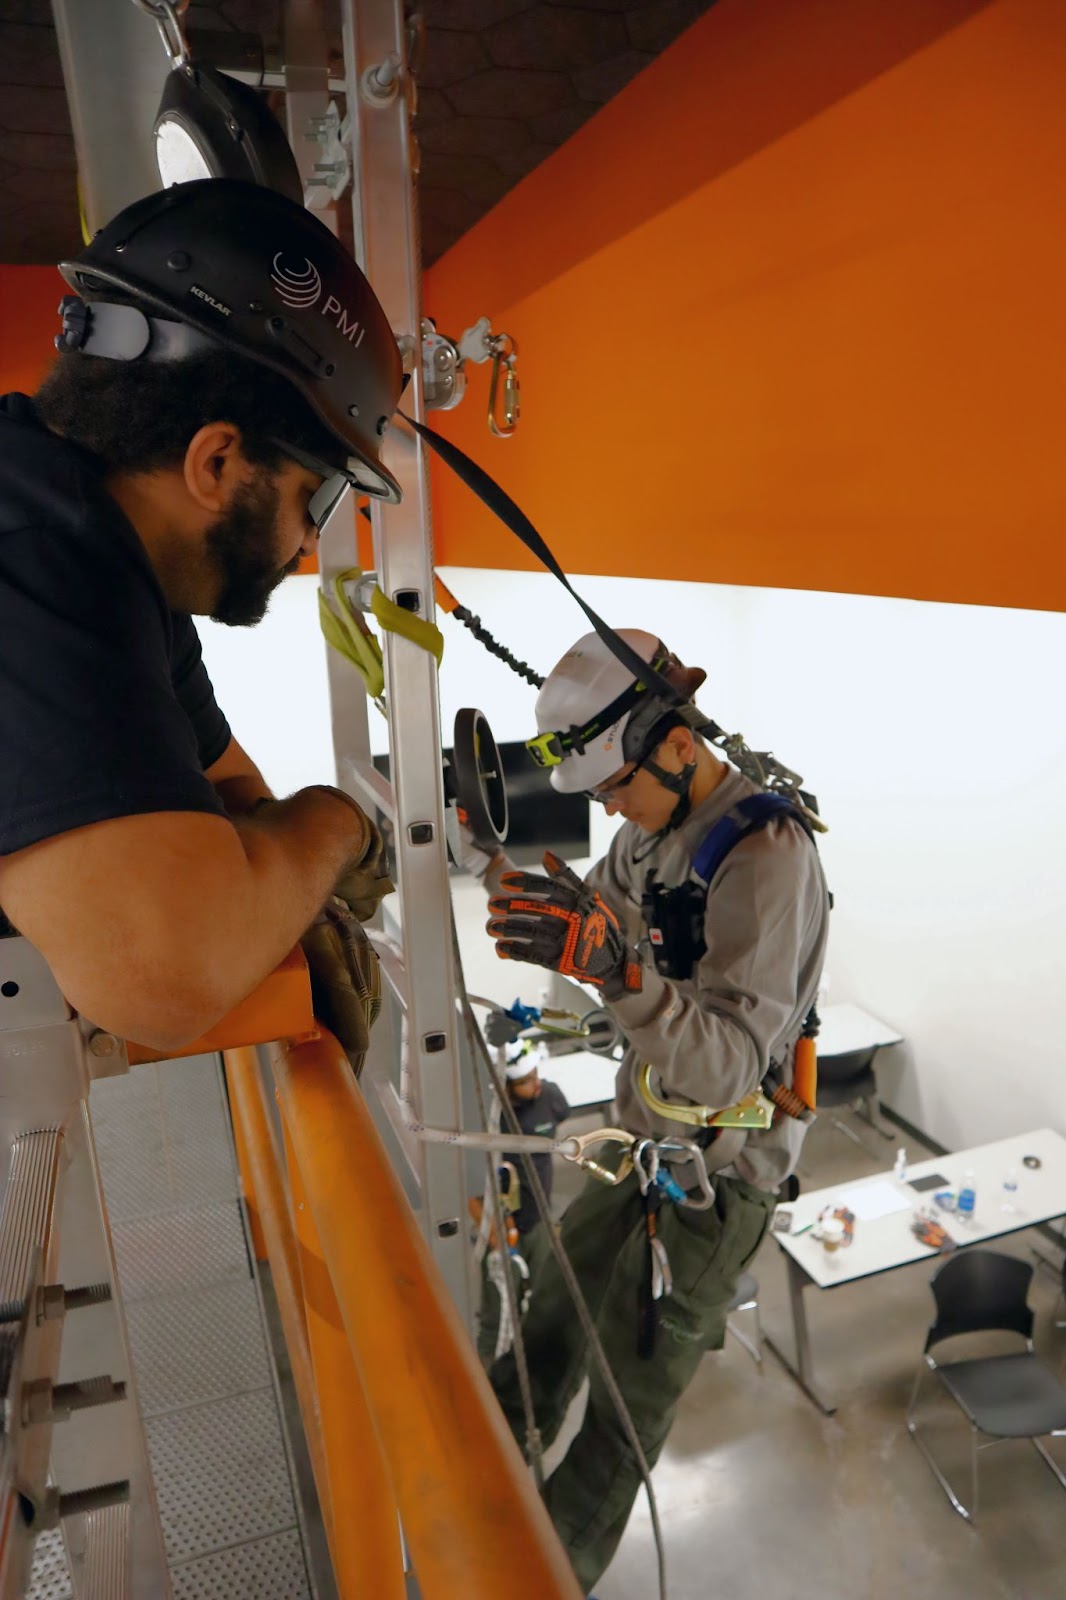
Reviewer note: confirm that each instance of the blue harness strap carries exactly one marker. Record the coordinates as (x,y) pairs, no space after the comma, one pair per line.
(747,816)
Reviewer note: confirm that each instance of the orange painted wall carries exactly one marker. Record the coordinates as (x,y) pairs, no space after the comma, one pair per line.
(28,324)
(790,311)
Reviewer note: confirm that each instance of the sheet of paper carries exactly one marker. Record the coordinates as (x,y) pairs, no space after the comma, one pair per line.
(875,1200)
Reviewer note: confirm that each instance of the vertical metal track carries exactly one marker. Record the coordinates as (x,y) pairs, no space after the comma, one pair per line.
(421,970)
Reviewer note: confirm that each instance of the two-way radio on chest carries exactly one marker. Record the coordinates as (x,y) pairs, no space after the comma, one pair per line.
(674,915)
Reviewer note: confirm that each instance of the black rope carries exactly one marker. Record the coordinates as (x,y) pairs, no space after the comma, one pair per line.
(484,637)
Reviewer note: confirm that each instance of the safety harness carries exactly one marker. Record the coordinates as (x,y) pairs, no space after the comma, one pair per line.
(675,921)
(675,916)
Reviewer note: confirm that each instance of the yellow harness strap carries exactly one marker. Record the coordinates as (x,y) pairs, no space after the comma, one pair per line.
(346,632)
(394,619)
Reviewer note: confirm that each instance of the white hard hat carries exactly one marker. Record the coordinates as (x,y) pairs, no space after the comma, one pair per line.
(532,1058)
(585,682)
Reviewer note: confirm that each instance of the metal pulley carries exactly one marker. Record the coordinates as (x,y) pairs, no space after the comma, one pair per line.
(602,1035)
(477,779)
(444,362)
(443,378)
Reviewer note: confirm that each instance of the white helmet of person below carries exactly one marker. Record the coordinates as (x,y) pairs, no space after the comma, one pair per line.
(593,715)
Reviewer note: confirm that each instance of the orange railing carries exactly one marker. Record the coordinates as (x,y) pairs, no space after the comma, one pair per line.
(402,1426)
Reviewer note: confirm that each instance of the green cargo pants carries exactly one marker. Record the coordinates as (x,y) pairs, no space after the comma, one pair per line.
(591,1493)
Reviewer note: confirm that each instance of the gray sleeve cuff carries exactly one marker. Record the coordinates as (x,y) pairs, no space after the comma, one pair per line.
(636,1011)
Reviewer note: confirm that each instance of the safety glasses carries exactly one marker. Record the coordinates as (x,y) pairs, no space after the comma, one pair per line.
(607,793)
(336,481)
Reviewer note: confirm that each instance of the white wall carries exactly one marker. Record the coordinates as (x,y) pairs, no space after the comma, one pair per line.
(932,735)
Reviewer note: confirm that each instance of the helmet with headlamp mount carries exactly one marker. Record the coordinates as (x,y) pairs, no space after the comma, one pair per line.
(225,263)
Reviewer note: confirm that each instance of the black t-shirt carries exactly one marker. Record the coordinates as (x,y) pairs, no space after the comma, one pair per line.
(542,1115)
(106,709)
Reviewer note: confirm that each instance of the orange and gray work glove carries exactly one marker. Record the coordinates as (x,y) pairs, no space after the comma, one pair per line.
(559,922)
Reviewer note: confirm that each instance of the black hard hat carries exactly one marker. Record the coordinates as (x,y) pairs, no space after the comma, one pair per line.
(258,274)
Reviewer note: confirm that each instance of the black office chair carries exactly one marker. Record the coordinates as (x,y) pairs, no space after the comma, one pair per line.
(1012,1396)
(848,1080)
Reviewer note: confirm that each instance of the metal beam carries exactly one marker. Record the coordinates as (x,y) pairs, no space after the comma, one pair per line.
(114,68)
(387,243)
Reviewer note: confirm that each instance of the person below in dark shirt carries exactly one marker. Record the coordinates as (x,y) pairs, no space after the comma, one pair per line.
(180,458)
(540,1107)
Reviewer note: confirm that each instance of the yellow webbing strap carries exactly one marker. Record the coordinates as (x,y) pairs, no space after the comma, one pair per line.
(395,619)
(86,235)
(346,632)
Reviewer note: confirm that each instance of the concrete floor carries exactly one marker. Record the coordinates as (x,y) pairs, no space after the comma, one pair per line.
(761,1497)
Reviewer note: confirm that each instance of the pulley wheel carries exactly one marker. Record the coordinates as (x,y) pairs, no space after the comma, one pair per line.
(604,1035)
(479,785)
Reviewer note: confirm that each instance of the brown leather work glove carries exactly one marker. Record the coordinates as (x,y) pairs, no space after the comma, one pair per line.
(345,978)
(364,883)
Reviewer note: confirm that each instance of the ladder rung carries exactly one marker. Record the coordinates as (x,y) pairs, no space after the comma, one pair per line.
(107,1553)
(28,1203)
(393,969)
(371,784)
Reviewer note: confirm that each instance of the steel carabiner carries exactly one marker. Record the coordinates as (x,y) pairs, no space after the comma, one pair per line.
(573,1149)
(646,1149)
(695,1153)
(503,421)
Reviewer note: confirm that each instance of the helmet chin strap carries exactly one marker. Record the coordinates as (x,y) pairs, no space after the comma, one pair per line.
(679,783)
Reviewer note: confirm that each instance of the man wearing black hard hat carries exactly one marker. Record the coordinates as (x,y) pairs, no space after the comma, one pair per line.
(225,375)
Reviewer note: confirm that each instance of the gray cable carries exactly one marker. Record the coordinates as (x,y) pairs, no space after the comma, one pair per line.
(533,1445)
(480,1051)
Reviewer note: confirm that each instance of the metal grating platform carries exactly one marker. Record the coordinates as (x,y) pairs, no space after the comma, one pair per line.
(203,1371)
(51,1576)
(271,1569)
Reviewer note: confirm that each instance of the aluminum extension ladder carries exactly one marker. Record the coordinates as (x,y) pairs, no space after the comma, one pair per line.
(73,1450)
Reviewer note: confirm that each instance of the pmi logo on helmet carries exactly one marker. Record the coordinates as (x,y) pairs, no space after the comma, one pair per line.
(301,291)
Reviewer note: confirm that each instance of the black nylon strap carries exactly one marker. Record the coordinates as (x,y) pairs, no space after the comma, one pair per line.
(513,517)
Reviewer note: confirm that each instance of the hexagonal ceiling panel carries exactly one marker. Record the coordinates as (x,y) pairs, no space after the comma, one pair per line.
(503,83)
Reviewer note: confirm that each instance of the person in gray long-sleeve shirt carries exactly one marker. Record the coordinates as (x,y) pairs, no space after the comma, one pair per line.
(710,1038)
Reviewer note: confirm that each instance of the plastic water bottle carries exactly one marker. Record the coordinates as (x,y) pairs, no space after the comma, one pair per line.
(899,1171)
(967,1198)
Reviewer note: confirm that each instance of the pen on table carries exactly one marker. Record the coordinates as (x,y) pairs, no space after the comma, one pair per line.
(797,1231)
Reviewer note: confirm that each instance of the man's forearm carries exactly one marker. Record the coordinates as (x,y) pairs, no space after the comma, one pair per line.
(238,780)
(241,795)
(178,915)
(294,850)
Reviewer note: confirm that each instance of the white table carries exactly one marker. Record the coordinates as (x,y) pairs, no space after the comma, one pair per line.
(887,1242)
(587,1080)
(846,1028)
